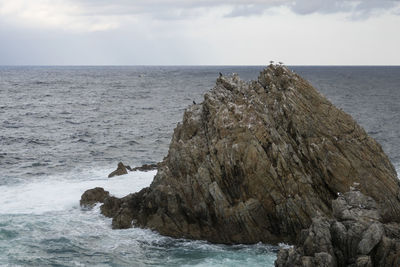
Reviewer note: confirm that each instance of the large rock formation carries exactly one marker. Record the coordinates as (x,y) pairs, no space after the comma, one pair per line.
(257,161)
(355,237)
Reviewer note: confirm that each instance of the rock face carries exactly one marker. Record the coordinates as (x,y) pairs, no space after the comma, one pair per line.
(256,161)
(354,237)
(121,170)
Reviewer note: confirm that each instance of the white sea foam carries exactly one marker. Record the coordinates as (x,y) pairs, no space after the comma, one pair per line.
(52,194)
(397,167)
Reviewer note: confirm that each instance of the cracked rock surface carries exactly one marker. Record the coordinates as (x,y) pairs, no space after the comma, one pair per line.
(256,161)
(355,237)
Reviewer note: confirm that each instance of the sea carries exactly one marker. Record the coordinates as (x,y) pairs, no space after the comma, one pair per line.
(64,129)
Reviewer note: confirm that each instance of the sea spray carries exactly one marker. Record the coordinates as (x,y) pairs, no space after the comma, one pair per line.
(51,194)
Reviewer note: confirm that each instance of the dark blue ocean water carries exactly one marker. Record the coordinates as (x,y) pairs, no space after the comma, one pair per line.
(63,129)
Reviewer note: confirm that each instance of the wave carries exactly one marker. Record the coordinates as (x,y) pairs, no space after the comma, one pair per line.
(60,193)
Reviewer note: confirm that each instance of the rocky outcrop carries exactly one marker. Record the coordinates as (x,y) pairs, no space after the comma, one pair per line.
(92,196)
(257,161)
(121,170)
(111,205)
(355,236)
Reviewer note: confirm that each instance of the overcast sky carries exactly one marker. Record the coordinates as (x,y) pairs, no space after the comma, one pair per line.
(199,32)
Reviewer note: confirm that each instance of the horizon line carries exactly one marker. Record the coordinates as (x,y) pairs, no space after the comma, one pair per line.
(192,65)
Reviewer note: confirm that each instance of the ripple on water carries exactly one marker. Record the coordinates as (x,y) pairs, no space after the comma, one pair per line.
(86,237)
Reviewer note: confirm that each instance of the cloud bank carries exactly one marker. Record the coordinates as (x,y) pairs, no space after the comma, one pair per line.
(208,32)
(103,15)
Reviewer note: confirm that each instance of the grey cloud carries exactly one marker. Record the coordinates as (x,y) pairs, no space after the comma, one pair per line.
(247,10)
(354,8)
(367,8)
(305,7)
(167,9)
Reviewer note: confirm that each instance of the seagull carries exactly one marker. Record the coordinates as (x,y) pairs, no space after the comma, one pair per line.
(280,63)
(194,103)
(271,62)
(220,74)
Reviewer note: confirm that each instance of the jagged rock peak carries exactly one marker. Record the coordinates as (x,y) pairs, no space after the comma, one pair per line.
(256,161)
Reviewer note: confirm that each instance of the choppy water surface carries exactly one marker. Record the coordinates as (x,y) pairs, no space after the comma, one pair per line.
(63,129)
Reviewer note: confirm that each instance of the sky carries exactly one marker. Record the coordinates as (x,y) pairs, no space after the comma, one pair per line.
(199,32)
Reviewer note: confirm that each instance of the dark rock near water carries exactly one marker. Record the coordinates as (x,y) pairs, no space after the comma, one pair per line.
(257,161)
(145,167)
(355,236)
(121,170)
(124,218)
(111,206)
(93,196)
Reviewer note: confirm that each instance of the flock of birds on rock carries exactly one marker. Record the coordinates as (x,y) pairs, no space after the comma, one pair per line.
(272,62)
(220,74)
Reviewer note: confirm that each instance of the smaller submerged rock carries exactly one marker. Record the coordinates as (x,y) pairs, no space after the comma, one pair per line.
(92,196)
(121,170)
(146,167)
